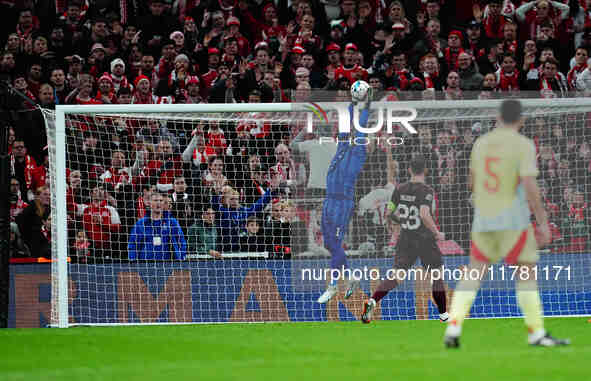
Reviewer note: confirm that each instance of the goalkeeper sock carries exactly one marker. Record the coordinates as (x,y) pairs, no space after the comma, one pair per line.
(439,295)
(462,300)
(383,289)
(529,302)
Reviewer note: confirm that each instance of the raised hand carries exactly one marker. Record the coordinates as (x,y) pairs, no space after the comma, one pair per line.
(352,22)
(136,37)
(291,27)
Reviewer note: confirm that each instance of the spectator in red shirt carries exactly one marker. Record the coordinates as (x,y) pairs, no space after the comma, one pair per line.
(118,77)
(453,50)
(142,93)
(192,93)
(83,94)
(510,38)
(575,223)
(197,153)
(233,30)
(40,174)
(167,61)
(492,19)
(284,167)
(22,166)
(216,138)
(164,167)
(147,70)
(106,91)
(534,13)
(101,222)
(349,69)
(17,204)
(269,25)
(508,75)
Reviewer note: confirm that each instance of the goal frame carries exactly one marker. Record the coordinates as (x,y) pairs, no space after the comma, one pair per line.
(60,223)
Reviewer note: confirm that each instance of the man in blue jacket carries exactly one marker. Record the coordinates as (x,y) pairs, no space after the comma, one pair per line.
(339,203)
(158,235)
(232,216)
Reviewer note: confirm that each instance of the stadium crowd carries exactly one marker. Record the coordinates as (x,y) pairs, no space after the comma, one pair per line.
(157,189)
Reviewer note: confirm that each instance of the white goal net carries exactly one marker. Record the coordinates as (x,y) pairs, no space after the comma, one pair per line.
(213,213)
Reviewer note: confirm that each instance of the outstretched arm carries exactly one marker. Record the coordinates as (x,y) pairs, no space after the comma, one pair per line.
(392,167)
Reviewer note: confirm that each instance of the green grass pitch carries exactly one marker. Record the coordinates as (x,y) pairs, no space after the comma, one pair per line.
(385,350)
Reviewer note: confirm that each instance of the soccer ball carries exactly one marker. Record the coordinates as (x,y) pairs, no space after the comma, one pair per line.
(360,91)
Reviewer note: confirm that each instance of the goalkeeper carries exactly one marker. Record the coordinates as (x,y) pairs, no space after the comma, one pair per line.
(340,187)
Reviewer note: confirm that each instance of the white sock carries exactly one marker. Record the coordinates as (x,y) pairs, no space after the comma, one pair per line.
(537,335)
(453,330)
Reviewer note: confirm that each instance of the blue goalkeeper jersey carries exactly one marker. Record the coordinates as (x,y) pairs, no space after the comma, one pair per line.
(348,161)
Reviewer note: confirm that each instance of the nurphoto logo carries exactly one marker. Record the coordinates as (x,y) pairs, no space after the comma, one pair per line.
(390,115)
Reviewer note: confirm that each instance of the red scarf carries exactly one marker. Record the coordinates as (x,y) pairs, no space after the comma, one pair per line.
(429,84)
(477,53)
(112,97)
(164,100)
(571,77)
(403,75)
(17,207)
(494,28)
(24,34)
(201,157)
(124,13)
(546,89)
(578,214)
(142,99)
(287,173)
(452,58)
(89,101)
(428,81)
(141,207)
(46,233)
(173,78)
(510,46)
(30,167)
(120,82)
(117,176)
(258,187)
(508,82)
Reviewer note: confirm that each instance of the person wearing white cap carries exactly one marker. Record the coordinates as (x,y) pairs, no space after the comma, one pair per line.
(179,40)
(302,75)
(118,75)
(182,69)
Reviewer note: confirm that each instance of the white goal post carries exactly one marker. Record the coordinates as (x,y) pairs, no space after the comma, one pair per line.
(428,111)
